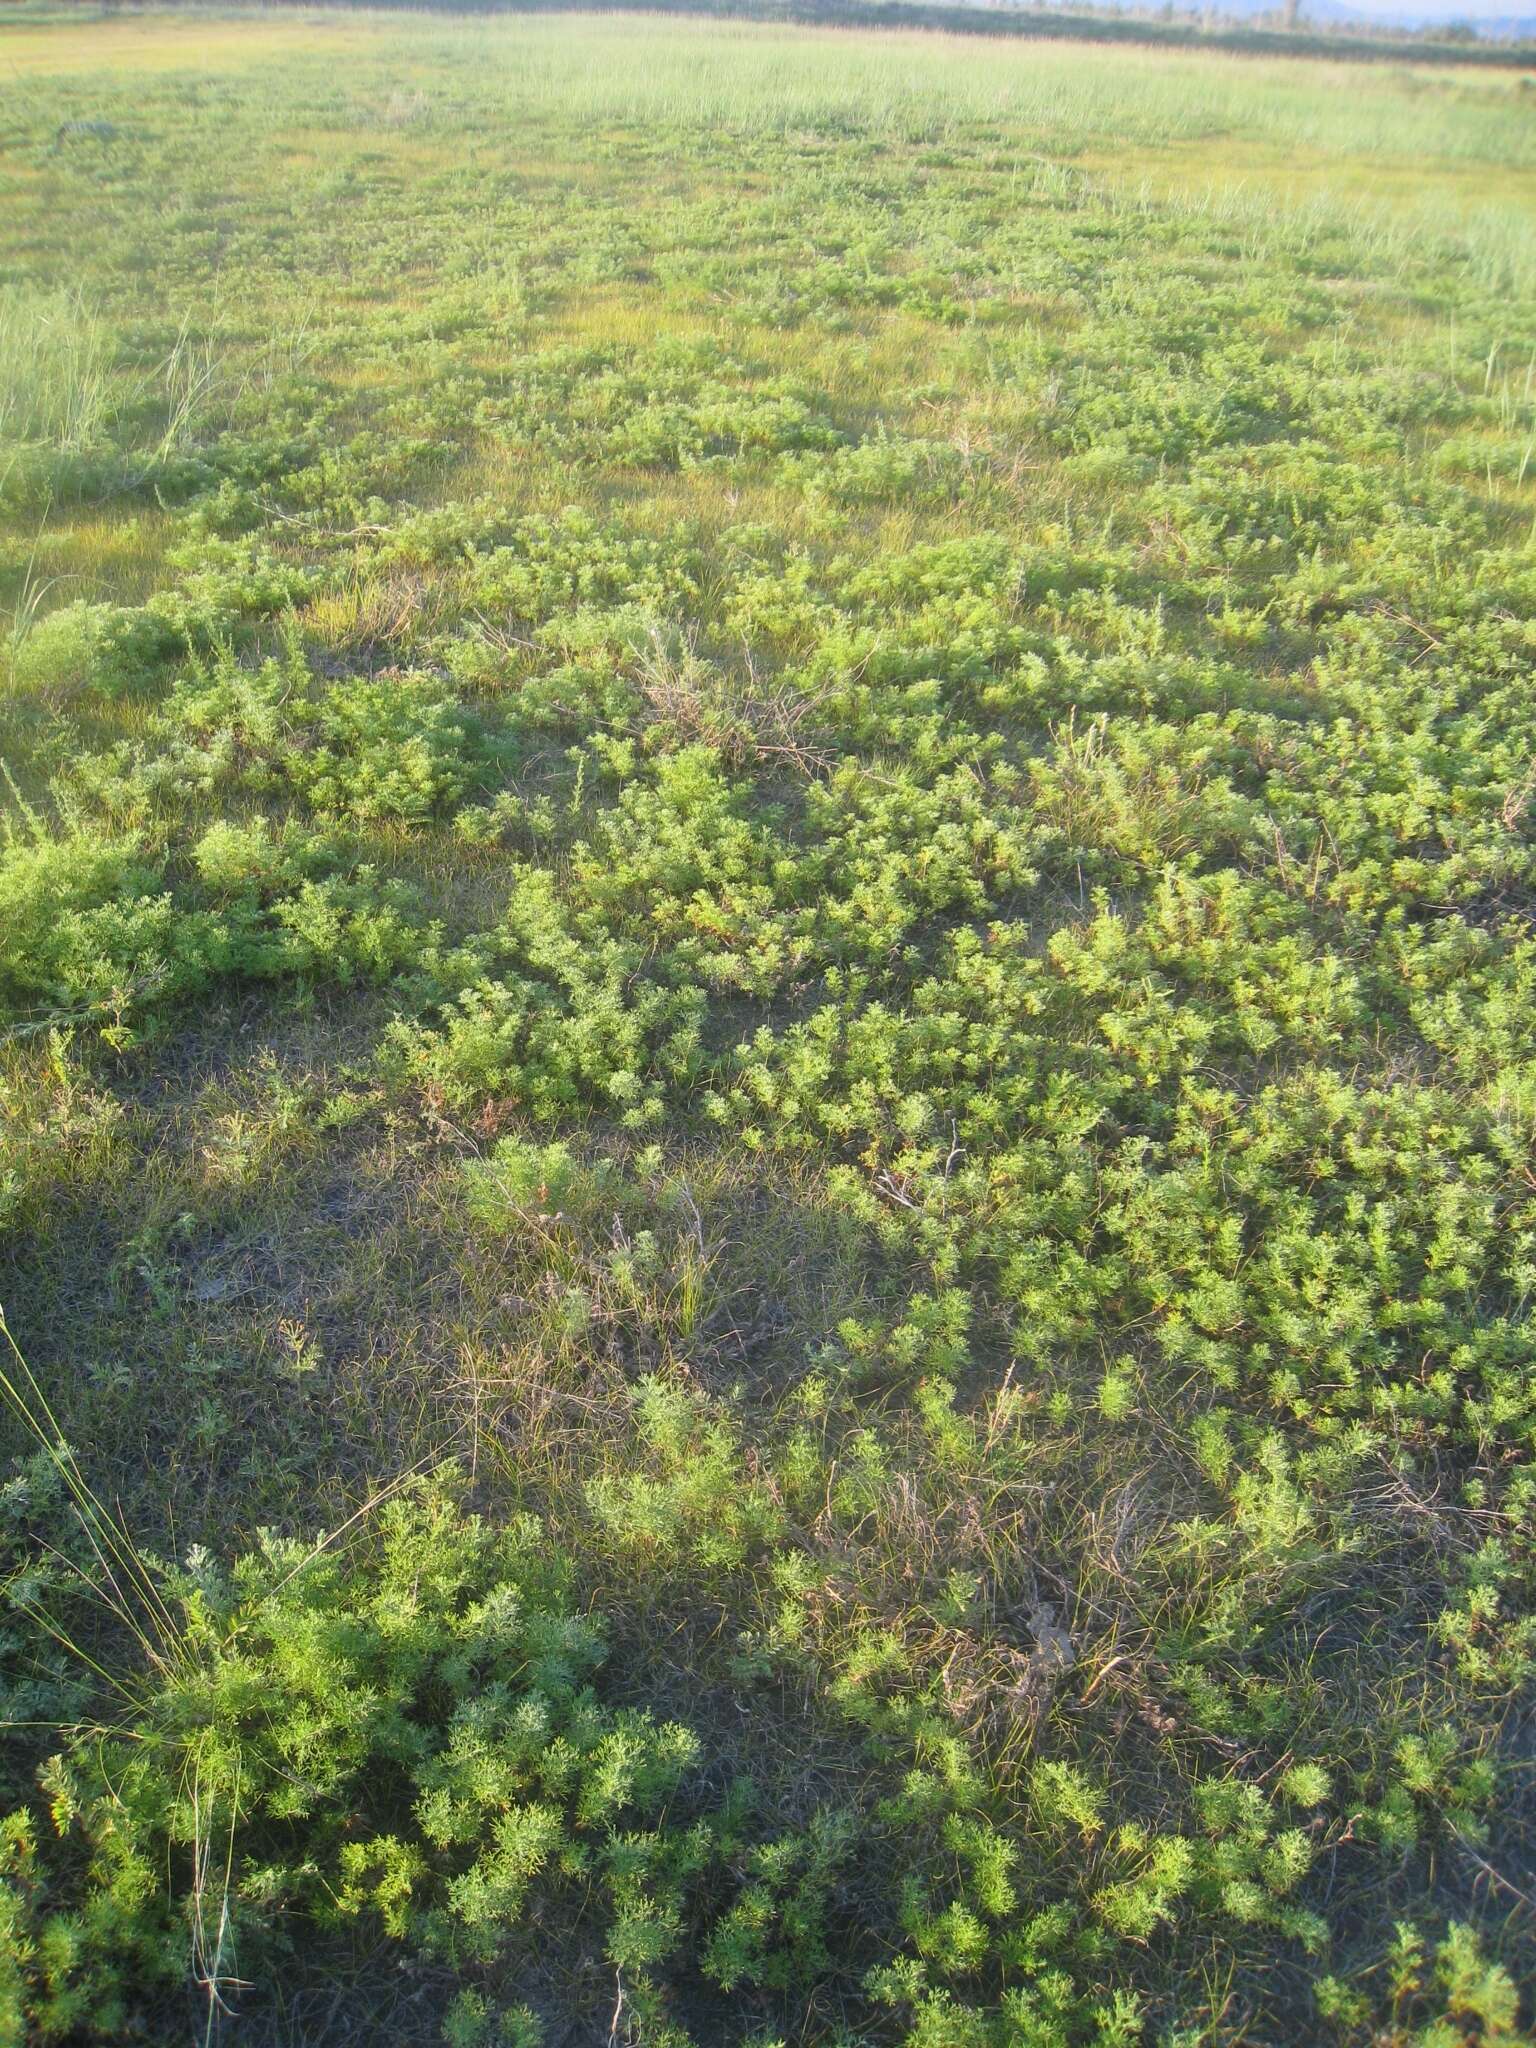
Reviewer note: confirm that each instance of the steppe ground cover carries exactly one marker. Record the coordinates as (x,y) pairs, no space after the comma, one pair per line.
(765,908)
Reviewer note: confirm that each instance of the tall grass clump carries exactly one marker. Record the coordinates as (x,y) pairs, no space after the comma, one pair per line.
(55,372)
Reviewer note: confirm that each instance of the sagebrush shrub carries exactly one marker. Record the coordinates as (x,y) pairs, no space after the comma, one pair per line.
(411,1738)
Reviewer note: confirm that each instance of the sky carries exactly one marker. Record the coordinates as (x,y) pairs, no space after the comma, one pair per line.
(1447,10)
(1440,10)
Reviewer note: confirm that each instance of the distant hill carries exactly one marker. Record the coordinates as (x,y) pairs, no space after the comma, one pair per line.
(1399,31)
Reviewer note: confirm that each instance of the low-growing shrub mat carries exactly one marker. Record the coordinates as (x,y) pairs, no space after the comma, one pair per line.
(767,1049)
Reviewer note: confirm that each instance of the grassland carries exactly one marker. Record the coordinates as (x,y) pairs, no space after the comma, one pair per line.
(767,1040)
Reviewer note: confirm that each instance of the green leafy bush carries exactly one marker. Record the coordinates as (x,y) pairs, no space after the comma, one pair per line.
(116,649)
(386,747)
(411,1740)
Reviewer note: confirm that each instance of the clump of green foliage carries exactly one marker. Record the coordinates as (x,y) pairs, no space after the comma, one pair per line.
(414,1740)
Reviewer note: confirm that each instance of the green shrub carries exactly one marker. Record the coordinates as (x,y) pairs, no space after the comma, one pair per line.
(409,1737)
(386,747)
(115,649)
(573,1020)
(85,925)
